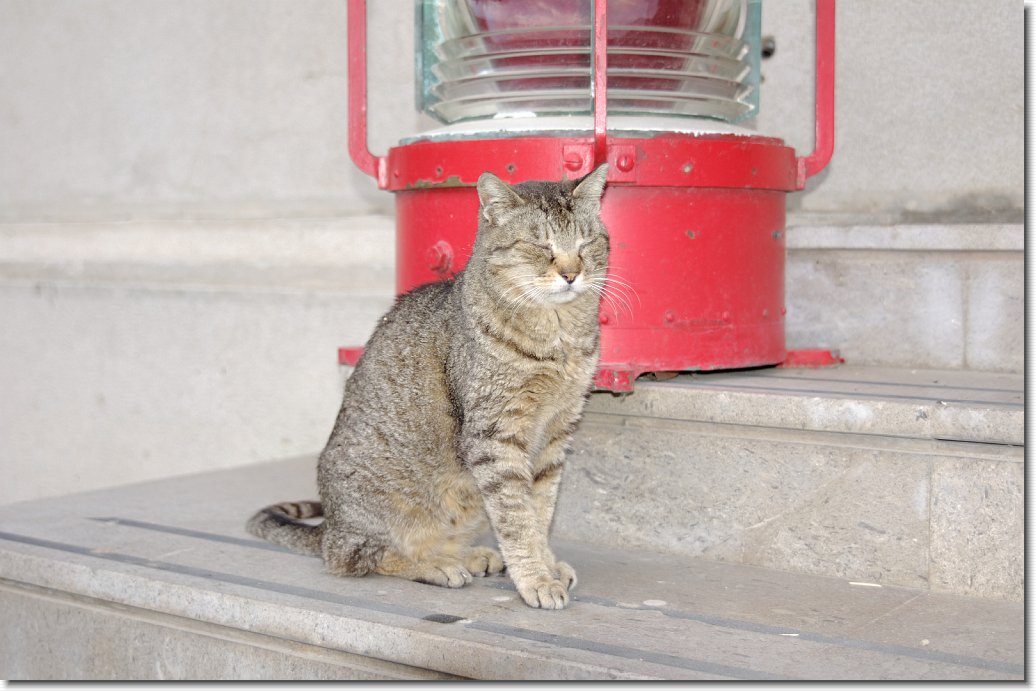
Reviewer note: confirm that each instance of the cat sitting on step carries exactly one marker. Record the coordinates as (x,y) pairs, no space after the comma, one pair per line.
(462,404)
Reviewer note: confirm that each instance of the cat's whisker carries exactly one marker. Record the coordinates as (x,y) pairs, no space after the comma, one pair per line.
(528,294)
(608,300)
(618,302)
(621,292)
(621,295)
(611,295)
(619,281)
(522,286)
(526,299)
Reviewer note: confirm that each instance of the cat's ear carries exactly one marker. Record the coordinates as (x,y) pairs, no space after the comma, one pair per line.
(496,196)
(591,186)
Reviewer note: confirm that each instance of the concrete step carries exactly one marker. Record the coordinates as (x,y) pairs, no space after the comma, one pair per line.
(159,580)
(885,292)
(946,405)
(900,477)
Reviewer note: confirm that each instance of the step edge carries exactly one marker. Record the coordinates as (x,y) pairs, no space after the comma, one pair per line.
(203,603)
(978,451)
(916,418)
(288,646)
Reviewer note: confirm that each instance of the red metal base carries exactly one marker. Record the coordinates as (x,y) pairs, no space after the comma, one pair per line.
(618,380)
(697,231)
(812,358)
(697,273)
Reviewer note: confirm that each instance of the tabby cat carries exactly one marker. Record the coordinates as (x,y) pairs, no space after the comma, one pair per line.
(461,407)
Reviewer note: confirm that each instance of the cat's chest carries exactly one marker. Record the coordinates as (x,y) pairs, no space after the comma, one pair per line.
(571,340)
(576,365)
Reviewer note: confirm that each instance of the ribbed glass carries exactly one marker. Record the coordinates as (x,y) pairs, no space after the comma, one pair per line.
(521,58)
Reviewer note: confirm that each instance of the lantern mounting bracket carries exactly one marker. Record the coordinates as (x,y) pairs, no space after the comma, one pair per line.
(824,136)
(374,166)
(599,83)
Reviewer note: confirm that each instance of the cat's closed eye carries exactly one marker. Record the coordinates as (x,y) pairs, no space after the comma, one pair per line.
(542,247)
(590,246)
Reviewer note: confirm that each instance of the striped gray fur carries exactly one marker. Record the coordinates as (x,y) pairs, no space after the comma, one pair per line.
(457,416)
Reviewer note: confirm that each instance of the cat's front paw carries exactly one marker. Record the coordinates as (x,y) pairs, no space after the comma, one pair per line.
(544,592)
(482,561)
(565,574)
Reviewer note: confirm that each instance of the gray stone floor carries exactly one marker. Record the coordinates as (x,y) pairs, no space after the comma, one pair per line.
(160,580)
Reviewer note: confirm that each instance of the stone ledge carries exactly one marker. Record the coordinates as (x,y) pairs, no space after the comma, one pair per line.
(909,296)
(110,640)
(353,254)
(964,237)
(955,405)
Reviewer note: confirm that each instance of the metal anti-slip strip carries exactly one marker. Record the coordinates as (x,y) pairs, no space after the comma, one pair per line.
(380,607)
(744,625)
(191,533)
(733,380)
(870,396)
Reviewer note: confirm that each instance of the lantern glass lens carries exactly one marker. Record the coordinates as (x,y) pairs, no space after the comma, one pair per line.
(521,58)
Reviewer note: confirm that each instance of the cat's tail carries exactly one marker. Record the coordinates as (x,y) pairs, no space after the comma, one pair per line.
(281,524)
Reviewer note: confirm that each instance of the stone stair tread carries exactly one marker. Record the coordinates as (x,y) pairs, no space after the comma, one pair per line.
(965,386)
(958,405)
(178,547)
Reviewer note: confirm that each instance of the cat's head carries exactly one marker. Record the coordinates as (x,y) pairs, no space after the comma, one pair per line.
(544,241)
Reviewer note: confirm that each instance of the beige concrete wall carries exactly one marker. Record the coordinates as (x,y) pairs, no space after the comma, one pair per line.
(238,107)
(929,107)
(171,108)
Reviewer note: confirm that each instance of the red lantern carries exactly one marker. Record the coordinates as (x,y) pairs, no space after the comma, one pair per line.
(696,218)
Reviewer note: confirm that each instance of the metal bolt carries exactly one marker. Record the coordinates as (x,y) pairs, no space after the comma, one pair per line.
(688,167)
(625,163)
(669,316)
(440,257)
(573,161)
(603,319)
(768,47)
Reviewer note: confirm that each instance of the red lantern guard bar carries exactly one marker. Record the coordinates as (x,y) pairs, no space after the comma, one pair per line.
(696,221)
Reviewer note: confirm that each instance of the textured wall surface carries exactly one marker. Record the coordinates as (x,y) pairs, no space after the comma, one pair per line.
(238,108)
(928,107)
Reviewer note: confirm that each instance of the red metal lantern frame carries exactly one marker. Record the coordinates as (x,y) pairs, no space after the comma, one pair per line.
(697,221)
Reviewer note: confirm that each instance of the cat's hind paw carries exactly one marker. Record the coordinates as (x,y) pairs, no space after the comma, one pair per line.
(482,561)
(449,572)
(449,575)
